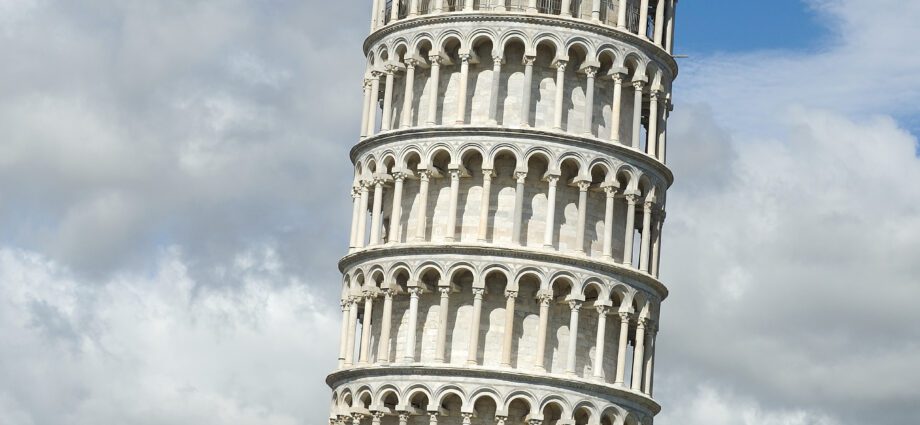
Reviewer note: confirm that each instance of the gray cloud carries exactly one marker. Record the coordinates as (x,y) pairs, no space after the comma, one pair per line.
(173,177)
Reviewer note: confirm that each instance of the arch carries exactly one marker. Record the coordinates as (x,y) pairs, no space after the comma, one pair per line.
(502,149)
(447,390)
(560,403)
(484,392)
(383,392)
(515,36)
(479,36)
(522,395)
(435,153)
(530,272)
(619,295)
(626,176)
(460,267)
(600,167)
(410,157)
(424,269)
(598,285)
(586,408)
(497,269)
(450,36)
(551,41)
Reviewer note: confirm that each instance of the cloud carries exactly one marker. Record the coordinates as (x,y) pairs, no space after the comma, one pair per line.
(153,349)
(173,178)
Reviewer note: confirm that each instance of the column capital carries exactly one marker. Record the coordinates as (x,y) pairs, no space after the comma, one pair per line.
(591,71)
(610,190)
(618,75)
(356,192)
(644,322)
(488,172)
(648,206)
(631,198)
(455,174)
(625,316)
(435,59)
(500,420)
(424,175)
(376,74)
(520,176)
(399,176)
(535,422)
(498,60)
(560,65)
(465,57)
(528,60)
(403,416)
(638,85)
(377,415)
(511,294)
(415,291)
(602,310)
(552,179)
(411,63)
(656,95)
(478,292)
(583,185)
(545,298)
(444,290)
(575,305)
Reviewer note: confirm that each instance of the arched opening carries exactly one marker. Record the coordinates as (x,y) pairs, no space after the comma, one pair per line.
(459,316)
(560,313)
(511,86)
(567,205)
(533,219)
(543,99)
(494,304)
(470,199)
(501,202)
(527,320)
(484,410)
(552,413)
(479,87)
(582,416)
(519,411)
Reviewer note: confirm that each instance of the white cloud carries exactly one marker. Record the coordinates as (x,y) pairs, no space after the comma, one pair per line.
(158,348)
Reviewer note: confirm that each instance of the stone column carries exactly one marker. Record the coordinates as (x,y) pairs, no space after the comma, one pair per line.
(650,360)
(639,354)
(543,299)
(409,356)
(656,245)
(616,108)
(560,93)
(394,11)
(621,14)
(366,327)
(551,181)
(343,334)
(484,204)
(383,349)
(646,236)
(376,212)
(531,6)
(653,117)
(518,207)
(356,418)
(610,191)
(566,7)
(422,224)
(464,81)
(508,337)
(473,352)
(355,213)
(621,350)
(434,95)
(409,96)
(663,141)
(403,418)
(413,8)
(669,37)
(637,113)
(352,328)
(362,217)
(599,342)
(582,215)
(643,19)
(365,105)
(528,85)
(496,86)
(375,10)
(451,231)
(466,418)
(590,73)
(468,6)
(396,214)
(438,6)
(659,23)
(630,228)
(575,306)
(375,418)
(596,11)
(443,312)
(375,100)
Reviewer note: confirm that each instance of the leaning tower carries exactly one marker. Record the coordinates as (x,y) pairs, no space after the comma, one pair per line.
(508,201)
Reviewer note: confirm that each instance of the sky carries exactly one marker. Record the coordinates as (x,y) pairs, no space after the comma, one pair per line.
(174,188)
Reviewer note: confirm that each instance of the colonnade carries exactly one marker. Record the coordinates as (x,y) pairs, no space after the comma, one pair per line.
(652,20)
(642,329)
(649,226)
(659,104)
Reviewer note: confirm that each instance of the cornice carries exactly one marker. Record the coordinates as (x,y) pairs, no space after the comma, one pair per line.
(486,250)
(573,384)
(648,47)
(583,142)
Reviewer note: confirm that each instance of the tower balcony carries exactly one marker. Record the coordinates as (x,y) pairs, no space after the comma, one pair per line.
(649,20)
